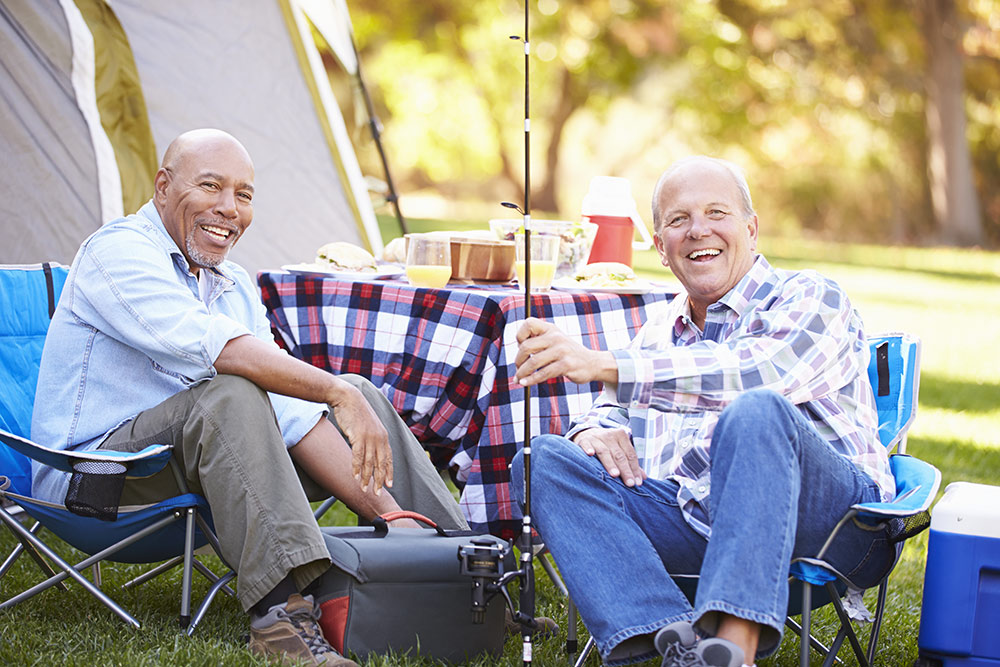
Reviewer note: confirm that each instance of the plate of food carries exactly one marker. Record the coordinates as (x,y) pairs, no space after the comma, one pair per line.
(609,277)
(346,261)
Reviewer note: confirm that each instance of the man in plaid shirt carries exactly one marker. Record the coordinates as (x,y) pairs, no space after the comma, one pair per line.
(732,435)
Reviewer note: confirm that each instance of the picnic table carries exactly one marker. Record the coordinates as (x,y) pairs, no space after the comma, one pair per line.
(444,358)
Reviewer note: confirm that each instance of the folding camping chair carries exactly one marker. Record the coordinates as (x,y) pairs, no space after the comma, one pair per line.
(894,371)
(170,530)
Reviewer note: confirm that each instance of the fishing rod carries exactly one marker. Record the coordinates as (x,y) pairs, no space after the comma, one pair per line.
(483,559)
(526,615)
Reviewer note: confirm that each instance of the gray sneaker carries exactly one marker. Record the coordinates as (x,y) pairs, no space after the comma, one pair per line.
(680,646)
(292,631)
(674,642)
(715,652)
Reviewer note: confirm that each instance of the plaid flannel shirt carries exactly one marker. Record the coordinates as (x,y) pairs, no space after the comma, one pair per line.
(792,332)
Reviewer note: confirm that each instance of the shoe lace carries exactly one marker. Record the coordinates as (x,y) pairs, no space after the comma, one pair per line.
(306,624)
(678,655)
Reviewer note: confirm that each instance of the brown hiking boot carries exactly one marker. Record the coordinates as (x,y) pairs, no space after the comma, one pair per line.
(291,631)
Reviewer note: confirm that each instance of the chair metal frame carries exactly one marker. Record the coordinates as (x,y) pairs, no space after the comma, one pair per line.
(172,529)
(895,357)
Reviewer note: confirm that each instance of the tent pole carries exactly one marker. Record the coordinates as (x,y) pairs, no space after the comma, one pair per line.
(375,125)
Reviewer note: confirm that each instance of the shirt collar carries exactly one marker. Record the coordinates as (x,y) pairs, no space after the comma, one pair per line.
(737,299)
(149,212)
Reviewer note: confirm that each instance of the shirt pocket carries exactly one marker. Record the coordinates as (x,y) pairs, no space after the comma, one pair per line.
(185,380)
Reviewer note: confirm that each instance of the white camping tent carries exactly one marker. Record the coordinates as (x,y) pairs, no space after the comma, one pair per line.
(92,91)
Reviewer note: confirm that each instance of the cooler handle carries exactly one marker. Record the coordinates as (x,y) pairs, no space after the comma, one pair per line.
(381,523)
(647,241)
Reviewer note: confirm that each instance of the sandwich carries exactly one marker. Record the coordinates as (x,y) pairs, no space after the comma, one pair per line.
(344,256)
(395,251)
(605,274)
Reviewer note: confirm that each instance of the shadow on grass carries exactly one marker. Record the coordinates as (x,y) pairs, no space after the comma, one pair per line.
(937,391)
(958,460)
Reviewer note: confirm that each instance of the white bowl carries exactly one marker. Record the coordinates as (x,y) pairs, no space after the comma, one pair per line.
(577,239)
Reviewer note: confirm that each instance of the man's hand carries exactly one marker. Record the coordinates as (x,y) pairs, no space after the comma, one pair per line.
(371,454)
(614,449)
(544,352)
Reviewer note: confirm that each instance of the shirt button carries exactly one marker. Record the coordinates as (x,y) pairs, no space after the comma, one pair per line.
(701,489)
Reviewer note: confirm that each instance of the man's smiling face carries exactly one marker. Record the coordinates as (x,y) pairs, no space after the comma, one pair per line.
(204,196)
(704,233)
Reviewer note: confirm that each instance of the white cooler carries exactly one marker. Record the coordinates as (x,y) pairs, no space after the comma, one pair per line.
(960,615)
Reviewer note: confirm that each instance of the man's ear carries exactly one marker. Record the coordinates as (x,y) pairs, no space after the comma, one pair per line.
(160,183)
(658,244)
(752,228)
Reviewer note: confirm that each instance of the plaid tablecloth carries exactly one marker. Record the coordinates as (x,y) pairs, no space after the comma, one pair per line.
(445,357)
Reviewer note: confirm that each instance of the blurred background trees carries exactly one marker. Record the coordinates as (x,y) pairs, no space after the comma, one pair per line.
(874,120)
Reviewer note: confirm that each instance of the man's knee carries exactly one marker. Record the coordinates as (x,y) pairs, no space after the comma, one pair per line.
(750,414)
(361,383)
(551,458)
(236,398)
(234,387)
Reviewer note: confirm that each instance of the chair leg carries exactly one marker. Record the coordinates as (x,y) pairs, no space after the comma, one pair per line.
(816,644)
(67,570)
(587,648)
(553,575)
(213,578)
(877,624)
(806,624)
(325,507)
(24,546)
(185,618)
(845,624)
(571,641)
(220,584)
(155,572)
(838,641)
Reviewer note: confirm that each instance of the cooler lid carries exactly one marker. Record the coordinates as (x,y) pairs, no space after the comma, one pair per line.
(968,509)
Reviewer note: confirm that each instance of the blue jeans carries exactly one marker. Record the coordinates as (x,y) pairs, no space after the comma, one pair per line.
(777,490)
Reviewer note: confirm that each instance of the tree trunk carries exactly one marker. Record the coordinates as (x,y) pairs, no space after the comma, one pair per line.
(544,199)
(949,164)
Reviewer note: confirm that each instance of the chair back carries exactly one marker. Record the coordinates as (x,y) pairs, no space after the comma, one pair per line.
(894,371)
(28,297)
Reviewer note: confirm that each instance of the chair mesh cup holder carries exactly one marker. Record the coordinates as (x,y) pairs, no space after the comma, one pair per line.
(95,489)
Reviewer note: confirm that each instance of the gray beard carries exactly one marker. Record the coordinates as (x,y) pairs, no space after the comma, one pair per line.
(199,259)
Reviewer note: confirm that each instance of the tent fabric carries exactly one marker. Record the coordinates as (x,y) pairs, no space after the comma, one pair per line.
(252,71)
(333,22)
(48,178)
(121,104)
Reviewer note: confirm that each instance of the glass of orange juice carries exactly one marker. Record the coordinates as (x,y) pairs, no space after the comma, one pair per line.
(544,255)
(428,260)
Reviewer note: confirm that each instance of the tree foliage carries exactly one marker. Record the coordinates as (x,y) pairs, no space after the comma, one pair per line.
(824,103)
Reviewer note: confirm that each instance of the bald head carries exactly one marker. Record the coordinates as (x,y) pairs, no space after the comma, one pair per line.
(195,142)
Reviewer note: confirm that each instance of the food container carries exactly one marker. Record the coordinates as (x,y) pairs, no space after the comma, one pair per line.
(577,239)
(481,259)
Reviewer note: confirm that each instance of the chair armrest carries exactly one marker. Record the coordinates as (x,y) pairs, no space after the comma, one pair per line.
(143,463)
(917,484)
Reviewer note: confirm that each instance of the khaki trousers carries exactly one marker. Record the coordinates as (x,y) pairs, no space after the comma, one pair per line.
(230,450)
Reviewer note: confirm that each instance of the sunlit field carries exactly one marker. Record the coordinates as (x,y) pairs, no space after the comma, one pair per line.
(948,298)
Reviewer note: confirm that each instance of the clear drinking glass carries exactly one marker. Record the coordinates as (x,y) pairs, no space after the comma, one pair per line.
(428,260)
(544,256)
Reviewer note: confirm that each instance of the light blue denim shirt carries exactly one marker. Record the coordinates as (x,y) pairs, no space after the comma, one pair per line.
(130,331)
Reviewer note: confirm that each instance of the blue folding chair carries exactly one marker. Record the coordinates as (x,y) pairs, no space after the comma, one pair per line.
(894,371)
(168,531)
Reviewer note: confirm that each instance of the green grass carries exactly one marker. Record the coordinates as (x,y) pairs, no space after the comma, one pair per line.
(947,297)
